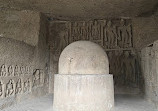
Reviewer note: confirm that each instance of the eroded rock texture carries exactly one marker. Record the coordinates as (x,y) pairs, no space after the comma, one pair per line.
(149,63)
(81,9)
(23,57)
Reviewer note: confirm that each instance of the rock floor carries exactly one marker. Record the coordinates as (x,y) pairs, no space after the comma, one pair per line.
(122,103)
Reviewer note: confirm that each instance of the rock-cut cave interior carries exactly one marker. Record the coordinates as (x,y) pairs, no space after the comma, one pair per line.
(79,55)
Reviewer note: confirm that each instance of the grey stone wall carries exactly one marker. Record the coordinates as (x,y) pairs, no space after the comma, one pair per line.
(20,25)
(145,31)
(149,63)
(23,57)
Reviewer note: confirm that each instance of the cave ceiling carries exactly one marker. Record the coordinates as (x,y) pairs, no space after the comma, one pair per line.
(84,9)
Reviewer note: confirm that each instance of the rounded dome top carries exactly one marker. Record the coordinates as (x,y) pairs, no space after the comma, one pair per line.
(83,57)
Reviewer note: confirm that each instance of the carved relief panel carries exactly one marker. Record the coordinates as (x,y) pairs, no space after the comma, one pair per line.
(124,65)
(110,34)
(38,78)
(18,79)
(114,35)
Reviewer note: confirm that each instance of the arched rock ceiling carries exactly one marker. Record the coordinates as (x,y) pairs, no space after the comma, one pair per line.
(84,9)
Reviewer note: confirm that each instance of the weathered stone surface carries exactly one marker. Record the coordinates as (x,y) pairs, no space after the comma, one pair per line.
(83,57)
(81,9)
(23,63)
(145,31)
(20,25)
(149,64)
(82,92)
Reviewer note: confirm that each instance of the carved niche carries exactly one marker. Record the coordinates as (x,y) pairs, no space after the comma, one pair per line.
(9,88)
(3,70)
(27,85)
(16,70)
(18,88)
(125,35)
(10,70)
(22,70)
(38,78)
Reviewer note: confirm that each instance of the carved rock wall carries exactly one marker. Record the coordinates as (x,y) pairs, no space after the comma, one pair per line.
(149,63)
(145,31)
(23,67)
(20,25)
(115,36)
